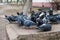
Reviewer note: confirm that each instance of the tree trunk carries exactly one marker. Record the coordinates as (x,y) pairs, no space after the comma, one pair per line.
(1,1)
(27,7)
(30,5)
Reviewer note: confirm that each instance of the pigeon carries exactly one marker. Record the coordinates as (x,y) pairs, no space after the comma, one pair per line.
(42,15)
(50,11)
(28,23)
(52,19)
(14,17)
(19,13)
(45,27)
(39,21)
(37,15)
(57,16)
(20,19)
(33,17)
(11,18)
(46,19)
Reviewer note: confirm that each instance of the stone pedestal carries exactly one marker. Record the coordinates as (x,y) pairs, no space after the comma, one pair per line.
(18,33)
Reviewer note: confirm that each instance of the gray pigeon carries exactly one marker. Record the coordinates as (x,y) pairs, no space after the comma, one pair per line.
(28,23)
(45,27)
(11,18)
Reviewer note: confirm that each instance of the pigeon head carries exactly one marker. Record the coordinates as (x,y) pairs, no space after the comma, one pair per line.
(5,15)
(17,13)
(33,12)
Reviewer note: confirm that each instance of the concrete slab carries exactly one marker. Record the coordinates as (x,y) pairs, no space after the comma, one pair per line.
(15,33)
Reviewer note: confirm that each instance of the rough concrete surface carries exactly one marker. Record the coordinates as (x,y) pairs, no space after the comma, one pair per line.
(16,32)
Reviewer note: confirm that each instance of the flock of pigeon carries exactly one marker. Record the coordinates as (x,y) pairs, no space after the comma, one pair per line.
(42,19)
